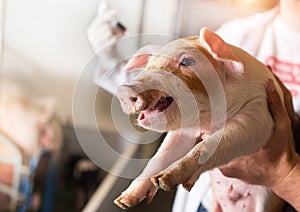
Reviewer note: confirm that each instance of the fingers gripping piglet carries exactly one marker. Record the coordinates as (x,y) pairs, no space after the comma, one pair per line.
(210,98)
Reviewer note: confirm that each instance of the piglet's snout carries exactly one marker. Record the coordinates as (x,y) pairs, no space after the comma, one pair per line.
(132,100)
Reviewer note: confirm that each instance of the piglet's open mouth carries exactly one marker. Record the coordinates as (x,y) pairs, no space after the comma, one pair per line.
(162,104)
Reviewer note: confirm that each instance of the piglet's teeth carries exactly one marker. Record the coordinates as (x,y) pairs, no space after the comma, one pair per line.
(140,104)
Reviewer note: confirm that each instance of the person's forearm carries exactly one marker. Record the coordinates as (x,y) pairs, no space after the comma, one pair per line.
(289,188)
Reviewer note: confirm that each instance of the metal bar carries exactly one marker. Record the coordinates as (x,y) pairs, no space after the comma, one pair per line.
(6,189)
(106,185)
(17,165)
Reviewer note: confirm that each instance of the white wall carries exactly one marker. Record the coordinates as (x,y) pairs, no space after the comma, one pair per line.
(195,14)
(1,21)
(46,45)
(160,16)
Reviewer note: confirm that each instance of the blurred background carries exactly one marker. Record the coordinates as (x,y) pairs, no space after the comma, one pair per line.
(44,50)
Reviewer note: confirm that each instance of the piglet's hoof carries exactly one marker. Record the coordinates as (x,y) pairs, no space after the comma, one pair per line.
(164,181)
(136,193)
(125,202)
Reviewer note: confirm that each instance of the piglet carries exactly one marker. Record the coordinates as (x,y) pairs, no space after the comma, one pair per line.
(31,124)
(30,121)
(210,98)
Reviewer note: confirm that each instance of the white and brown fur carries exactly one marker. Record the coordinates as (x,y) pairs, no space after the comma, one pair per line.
(181,159)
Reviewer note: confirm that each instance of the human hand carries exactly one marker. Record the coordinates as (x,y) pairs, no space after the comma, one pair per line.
(272,163)
(104,29)
(288,103)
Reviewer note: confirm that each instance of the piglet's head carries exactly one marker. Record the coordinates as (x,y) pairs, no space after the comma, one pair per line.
(175,86)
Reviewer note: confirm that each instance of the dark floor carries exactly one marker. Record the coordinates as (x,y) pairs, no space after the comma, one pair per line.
(67,199)
(162,202)
(68,188)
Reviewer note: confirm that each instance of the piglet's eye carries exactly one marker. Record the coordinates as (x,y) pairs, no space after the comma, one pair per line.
(187,61)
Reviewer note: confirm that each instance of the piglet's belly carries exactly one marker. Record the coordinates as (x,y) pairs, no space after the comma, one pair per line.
(234,195)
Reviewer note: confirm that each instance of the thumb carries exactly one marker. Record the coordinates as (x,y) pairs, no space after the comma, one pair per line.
(276,107)
(104,13)
(103,7)
(231,171)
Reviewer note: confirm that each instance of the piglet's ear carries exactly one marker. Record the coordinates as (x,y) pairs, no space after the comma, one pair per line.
(220,50)
(140,59)
(137,62)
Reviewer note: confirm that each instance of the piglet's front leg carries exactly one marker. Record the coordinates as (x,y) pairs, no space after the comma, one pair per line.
(180,172)
(237,139)
(135,193)
(175,145)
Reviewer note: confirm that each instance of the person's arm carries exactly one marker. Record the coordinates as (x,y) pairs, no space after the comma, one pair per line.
(286,180)
(289,187)
(288,103)
(276,165)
